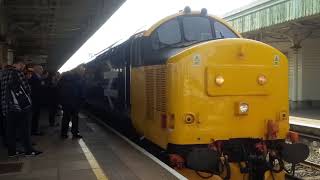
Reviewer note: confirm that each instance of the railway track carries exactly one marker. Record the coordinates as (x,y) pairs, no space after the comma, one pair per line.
(314,145)
(309,169)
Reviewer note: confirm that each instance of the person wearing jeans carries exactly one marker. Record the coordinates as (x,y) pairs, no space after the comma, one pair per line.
(16,110)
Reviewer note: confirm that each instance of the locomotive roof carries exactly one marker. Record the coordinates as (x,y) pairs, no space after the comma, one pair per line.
(147,31)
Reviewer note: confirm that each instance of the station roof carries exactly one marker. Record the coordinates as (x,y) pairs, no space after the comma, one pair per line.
(53,29)
(266,13)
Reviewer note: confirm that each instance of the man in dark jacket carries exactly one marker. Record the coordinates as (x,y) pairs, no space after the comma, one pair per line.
(37,87)
(71,97)
(16,109)
(52,90)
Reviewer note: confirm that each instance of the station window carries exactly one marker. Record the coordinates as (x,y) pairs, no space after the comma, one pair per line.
(167,34)
(202,31)
(223,31)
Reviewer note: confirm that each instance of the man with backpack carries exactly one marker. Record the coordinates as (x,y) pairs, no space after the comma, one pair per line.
(16,107)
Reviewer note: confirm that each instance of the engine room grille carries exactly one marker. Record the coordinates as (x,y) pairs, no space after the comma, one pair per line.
(155,77)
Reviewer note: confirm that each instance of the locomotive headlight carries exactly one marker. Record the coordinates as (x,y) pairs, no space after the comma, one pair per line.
(262,79)
(243,108)
(219,80)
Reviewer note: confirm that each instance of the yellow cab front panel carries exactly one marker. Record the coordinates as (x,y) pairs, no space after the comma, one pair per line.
(209,82)
(206,87)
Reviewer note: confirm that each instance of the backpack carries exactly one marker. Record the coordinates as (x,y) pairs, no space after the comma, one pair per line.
(20,100)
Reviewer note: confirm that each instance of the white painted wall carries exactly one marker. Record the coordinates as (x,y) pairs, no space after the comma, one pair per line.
(304,69)
(308,74)
(311,69)
(284,47)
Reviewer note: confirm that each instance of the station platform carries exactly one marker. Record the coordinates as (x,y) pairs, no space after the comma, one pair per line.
(100,155)
(306,121)
(312,113)
(302,121)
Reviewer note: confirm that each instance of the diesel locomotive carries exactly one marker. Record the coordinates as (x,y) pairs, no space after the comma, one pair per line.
(216,102)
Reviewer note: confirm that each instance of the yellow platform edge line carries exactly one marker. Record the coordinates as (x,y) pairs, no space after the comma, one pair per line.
(98,172)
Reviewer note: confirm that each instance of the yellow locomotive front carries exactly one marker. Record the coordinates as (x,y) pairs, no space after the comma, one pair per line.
(219,105)
(232,88)
(232,96)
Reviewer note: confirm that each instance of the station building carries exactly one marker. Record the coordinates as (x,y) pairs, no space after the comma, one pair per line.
(292,26)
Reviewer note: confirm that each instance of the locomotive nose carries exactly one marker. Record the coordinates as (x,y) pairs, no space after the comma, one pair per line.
(235,81)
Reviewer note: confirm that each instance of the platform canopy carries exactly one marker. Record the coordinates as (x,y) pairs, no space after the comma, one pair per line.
(265,13)
(51,30)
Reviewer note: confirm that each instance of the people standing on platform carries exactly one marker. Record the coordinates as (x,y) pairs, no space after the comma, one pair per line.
(37,87)
(16,107)
(28,74)
(71,97)
(3,122)
(29,71)
(52,98)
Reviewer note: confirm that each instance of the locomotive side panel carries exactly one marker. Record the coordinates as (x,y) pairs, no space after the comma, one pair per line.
(149,97)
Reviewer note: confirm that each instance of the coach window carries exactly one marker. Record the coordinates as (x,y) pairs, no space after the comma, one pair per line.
(222,31)
(202,32)
(167,34)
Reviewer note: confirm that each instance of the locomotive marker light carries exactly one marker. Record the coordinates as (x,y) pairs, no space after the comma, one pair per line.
(262,80)
(219,80)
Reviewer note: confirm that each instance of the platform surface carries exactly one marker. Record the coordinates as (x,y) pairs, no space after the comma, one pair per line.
(100,155)
(306,118)
(307,113)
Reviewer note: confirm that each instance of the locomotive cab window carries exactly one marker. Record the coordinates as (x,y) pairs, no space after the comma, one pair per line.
(167,34)
(188,30)
(197,28)
(222,31)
